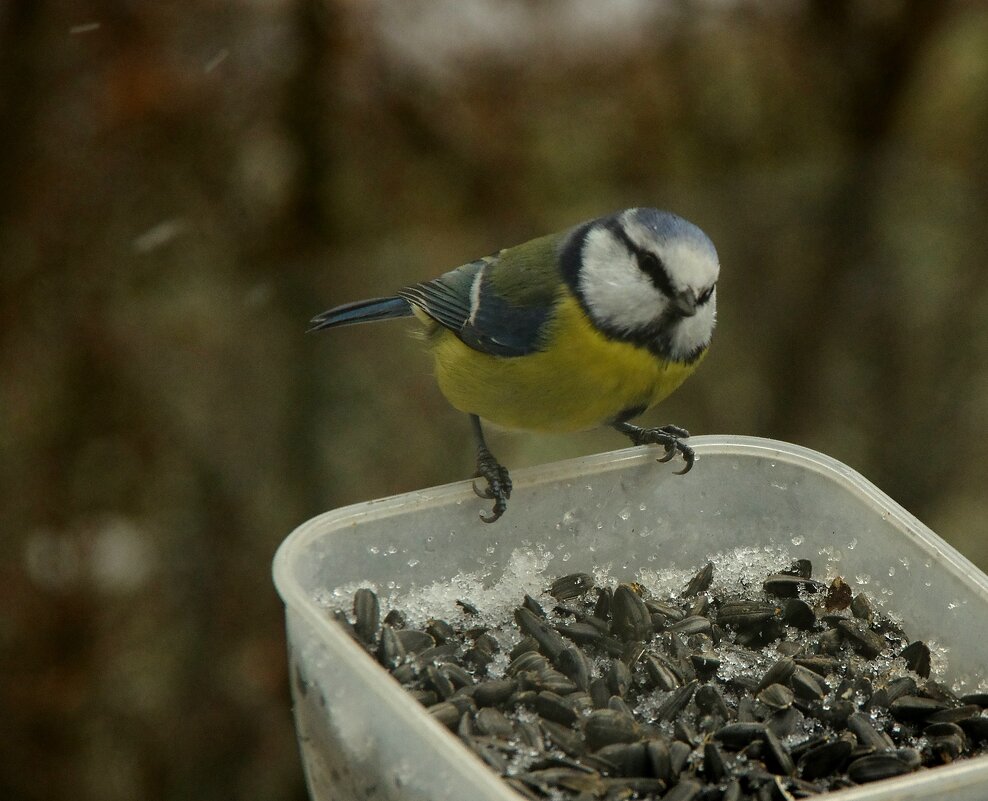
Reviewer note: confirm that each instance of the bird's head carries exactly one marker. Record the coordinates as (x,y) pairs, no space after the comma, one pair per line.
(649,277)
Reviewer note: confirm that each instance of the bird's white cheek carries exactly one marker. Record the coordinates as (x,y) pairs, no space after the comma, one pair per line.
(694,332)
(635,307)
(617,293)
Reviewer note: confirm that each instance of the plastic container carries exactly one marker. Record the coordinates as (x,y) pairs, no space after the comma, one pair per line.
(363,737)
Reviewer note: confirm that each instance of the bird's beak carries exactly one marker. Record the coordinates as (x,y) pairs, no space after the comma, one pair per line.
(685,303)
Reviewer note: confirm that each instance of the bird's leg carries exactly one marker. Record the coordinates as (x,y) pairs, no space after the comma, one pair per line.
(670,437)
(496,475)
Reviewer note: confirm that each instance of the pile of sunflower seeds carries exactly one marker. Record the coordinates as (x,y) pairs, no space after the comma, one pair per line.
(790,690)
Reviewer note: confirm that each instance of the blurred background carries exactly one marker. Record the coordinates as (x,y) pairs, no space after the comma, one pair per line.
(184,184)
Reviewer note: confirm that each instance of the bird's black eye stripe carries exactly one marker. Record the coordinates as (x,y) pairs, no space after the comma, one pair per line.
(707,294)
(648,262)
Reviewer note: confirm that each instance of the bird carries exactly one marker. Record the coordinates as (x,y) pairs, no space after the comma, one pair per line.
(579,329)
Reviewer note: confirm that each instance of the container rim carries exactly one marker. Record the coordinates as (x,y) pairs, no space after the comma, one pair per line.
(292,594)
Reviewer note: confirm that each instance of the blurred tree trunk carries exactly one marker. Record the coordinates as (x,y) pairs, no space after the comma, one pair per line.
(21,81)
(871,57)
(298,242)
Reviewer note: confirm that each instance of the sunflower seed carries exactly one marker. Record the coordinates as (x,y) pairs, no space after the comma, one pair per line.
(943,729)
(784,722)
(821,665)
(861,607)
(425,697)
(679,752)
(709,699)
(954,714)
(551,642)
(779,673)
(628,760)
(631,620)
(946,748)
(806,685)
(825,759)
(675,702)
(493,722)
(391,652)
(556,682)
(838,595)
(914,707)
(737,735)
(705,664)
(862,639)
(446,713)
(867,734)
(917,656)
(668,611)
(662,673)
(602,608)
(714,764)
(440,630)
(581,633)
(976,728)
(396,619)
(414,641)
(563,737)
(876,767)
(896,688)
(746,614)
(801,567)
(467,607)
(686,790)
(618,677)
(691,625)
(777,755)
(776,696)
(439,682)
(701,581)
(796,612)
(608,726)
(572,586)
(528,662)
(494,691)
(552,707)
(763,635)
(366,614)
(657,754)
(783,585)
(573,664)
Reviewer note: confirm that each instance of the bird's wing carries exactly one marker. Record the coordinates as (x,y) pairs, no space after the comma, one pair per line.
(499,304)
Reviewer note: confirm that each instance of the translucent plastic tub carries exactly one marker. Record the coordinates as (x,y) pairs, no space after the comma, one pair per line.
(363,737)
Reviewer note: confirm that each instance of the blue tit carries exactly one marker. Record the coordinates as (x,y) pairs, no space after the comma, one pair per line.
(571,331)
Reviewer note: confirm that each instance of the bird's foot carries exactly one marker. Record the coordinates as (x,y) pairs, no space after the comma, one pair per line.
(498,483)
(669,437)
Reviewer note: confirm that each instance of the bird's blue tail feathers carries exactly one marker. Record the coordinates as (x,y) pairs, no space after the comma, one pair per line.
(361,311)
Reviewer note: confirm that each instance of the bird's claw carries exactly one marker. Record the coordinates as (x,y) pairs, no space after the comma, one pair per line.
(498,486)
(689,457)
(669,437)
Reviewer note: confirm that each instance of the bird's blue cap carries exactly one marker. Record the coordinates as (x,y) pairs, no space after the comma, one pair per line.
(668,226)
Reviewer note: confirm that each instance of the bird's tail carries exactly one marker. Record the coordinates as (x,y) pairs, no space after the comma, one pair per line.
(361,311)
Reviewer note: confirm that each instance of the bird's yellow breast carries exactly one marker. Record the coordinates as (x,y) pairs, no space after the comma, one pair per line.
(580,380)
